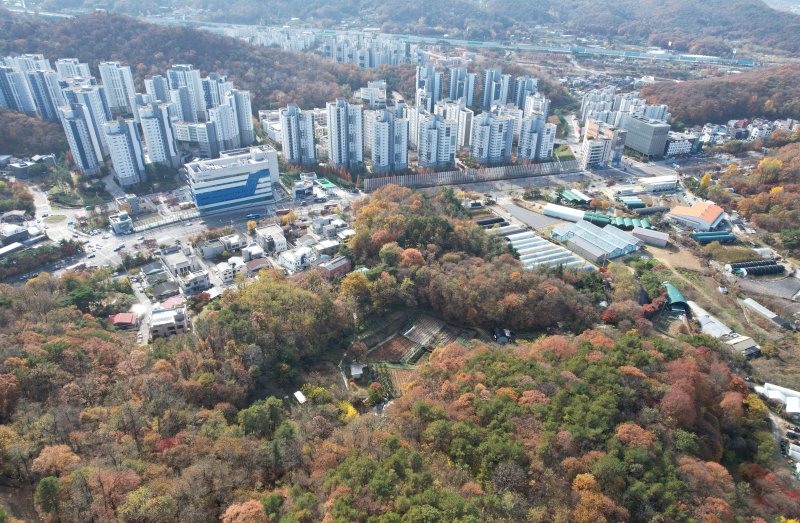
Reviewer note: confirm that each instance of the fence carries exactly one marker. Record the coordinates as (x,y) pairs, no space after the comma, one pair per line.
(487,174)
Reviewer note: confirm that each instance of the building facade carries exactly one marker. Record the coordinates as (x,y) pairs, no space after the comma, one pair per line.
(345,134)
(125,149)
(297,135)
(238,179)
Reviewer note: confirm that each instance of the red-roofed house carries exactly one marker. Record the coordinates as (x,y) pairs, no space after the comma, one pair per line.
(124,320)
(173,303)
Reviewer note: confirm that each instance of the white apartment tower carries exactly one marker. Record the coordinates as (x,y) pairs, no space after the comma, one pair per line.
(91,97)
(185,75)
(46,91)
(536,139)
(157,88)
(496,86)
(158,136)
(492,139)
(430,80)
(462,85)
(84,145)
(226,125)
(388,142)
(72,68)
(15,94)
(118,83)
(536,103)
(297,135)
(345,134)
(437,141)
(523,87)
(240,100)
(125,148)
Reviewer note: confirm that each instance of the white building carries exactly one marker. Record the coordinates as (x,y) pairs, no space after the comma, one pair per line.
(437,142)
(165,323)
(185,75)
(297,135)
(297,259)
(240,101)
(87,152)
(157,88)
(524,86)
(537,138)
(271,239)
(226,126)
(496,87)
(215,88)
(654,184)
(46,92)
(198,138)
(430,81)
(71,67)
(158,136)
(15,94)
(388,143)
(125,148)
(595,152)
(118,83)
(462,85)
(345,134)
(536,103)
(92,97)
(374,94)
(238,179)
(492,139)
(702,216)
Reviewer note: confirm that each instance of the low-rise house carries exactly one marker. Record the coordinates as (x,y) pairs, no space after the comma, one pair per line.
(124,320)
(233,242)
(297,259)
(256,265)
(271,239)
(165,323)
(172,303)
(210,249)
(335,268)
(121,223)
(164,290)
(251,252)
(230,269)
(194,282)
(326,248)
(179,264)
(151,268)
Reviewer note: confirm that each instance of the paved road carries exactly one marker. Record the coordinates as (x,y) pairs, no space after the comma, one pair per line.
(532,219)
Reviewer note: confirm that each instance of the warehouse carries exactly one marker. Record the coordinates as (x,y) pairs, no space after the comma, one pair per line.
(702,216)
(535,251)
(563,213)
(659,183)
(596,244)
(651,237)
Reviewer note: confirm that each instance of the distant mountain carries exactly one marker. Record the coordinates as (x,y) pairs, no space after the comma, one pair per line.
(769,93)
(274,77)
(707,26)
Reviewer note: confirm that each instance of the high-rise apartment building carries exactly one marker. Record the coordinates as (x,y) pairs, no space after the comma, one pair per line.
(158,88)
(185,75)
(496,86)
(345,134)
(437,141)
(118,84)
(523,87)
(93,98)
(430,80)
(125,149)
(72,68)
(158,135)
(388,142)
(462,85)
(240,101)
(15,94)
(492,139)
(85,146)
(297,135)
(46,91)
(537,138)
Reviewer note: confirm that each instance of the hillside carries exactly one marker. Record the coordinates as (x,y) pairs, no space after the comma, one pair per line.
(582,425)
(273,76)
(23,135)
(692,25)
(769,93)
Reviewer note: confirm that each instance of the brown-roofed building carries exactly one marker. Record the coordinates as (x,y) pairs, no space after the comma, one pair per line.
(124,320)
(702,216)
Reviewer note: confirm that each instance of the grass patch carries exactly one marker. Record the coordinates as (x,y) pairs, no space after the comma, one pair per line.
(55,218)
(563,152)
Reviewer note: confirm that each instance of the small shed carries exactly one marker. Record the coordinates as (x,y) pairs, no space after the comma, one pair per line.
(675,300)
(356,370)
(300,397)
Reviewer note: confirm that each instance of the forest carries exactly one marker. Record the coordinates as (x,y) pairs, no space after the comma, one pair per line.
(273,76)
(24,135)
(761,93)
(691,25)
(587,424)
